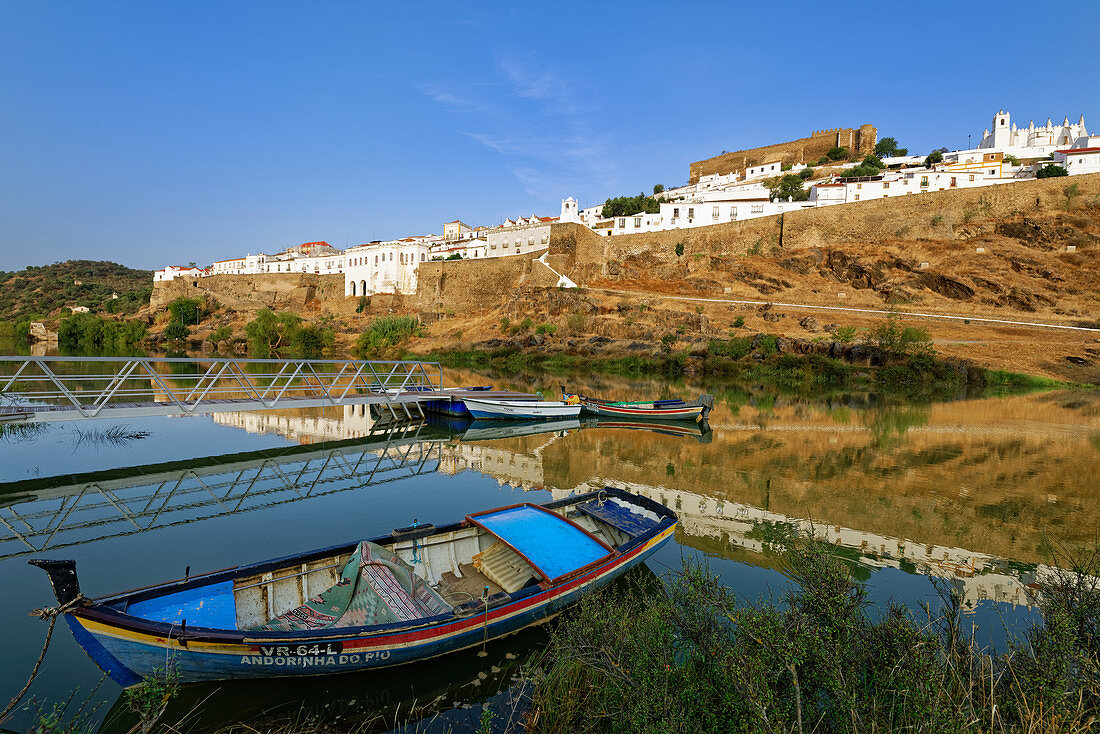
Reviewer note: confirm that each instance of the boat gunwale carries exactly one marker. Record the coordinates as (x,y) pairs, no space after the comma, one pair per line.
(103,609)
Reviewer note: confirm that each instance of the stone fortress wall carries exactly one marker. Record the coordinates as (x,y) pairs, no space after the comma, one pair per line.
(860,140)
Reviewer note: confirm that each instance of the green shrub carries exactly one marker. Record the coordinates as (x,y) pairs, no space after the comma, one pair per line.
(845,334)
(187,311)
(504,323)
(285,332)
(668,341)
(806,173)
(526,324)
(176,331)
(386,332)
(679,249)
(89,330)
(546,329)
(734,348)
(933,158)
(836,153)
(220,334)
(739,322)
(577,322)
(767,346)
(1051,170)
(899,342)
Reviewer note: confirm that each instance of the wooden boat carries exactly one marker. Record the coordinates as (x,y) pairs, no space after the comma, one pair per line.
(520,409)
(675,409)
(413,594)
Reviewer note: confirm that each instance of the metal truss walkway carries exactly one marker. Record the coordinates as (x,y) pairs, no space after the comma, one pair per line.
(72,388)
(51,513)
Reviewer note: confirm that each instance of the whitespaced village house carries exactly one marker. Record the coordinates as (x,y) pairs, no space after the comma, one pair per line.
(1078,160)
(384,267)
(171,272)
(519,236)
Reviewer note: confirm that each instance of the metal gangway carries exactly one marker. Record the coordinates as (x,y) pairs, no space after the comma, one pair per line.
(72,388)
(51,513)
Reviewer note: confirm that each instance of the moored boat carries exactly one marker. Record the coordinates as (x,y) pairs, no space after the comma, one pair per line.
(520,409)
(673,409)
(413,594)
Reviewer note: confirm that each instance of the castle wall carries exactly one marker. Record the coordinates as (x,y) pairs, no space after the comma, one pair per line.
(804,150)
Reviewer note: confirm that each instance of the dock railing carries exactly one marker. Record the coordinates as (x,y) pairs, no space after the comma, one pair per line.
(67,388)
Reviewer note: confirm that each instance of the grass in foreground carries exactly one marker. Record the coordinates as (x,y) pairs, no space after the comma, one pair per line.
(696,658)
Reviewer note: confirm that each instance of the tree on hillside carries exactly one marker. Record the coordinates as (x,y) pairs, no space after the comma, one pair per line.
(888,147)
(871,166)
(658,189)
(787,187)
(625,206)
(936,156)
(837,153)
(874,161)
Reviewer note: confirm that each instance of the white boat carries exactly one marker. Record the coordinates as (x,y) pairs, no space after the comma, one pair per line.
(520,409)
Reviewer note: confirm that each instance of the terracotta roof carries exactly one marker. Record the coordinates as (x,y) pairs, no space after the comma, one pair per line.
(1079,150)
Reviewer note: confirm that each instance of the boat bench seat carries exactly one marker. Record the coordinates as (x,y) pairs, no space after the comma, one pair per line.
(620,517)
(503,567)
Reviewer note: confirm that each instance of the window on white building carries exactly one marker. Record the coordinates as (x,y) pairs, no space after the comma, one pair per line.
(886,185)
(733,212)
(675,212)
(714,212)
(691,212)
(972,177)
(622,223)
(637,222)
(757,208)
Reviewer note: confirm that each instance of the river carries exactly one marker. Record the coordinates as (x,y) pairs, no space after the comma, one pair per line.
(968,492)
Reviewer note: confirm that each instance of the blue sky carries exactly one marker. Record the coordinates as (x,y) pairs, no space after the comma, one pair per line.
(157,132)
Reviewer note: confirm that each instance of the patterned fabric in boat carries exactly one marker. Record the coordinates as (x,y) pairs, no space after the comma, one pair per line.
(376,587)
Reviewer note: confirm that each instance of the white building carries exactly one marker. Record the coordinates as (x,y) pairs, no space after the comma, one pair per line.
(634,224)
(171,272)
(1078,160)
(900,183)
(519,236)
(1032,141)
(384,267)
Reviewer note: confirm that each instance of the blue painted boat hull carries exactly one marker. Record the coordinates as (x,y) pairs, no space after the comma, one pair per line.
(128,648)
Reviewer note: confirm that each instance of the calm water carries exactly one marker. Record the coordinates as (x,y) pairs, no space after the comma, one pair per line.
(967,491)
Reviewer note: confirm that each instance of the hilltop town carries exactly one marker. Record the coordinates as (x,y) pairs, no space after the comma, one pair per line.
(839,166)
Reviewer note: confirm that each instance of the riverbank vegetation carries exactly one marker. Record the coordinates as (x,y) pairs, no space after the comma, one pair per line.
(384,334)
(286,334)
(892,359)
(697,657)
(86,330)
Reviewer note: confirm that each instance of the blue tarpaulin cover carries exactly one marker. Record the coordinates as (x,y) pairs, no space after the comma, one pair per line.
(206,606)
(548,541)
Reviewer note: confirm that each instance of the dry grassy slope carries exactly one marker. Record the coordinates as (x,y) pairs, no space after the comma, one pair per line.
(1023,273)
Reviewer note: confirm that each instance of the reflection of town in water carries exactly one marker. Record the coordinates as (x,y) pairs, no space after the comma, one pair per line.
(971,491)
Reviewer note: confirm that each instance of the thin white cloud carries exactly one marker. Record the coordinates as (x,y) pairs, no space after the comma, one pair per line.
(539,119)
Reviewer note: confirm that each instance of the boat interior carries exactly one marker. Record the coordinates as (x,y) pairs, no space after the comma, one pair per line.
(470,566)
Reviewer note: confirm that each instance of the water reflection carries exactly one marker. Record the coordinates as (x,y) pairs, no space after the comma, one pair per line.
(969,491)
